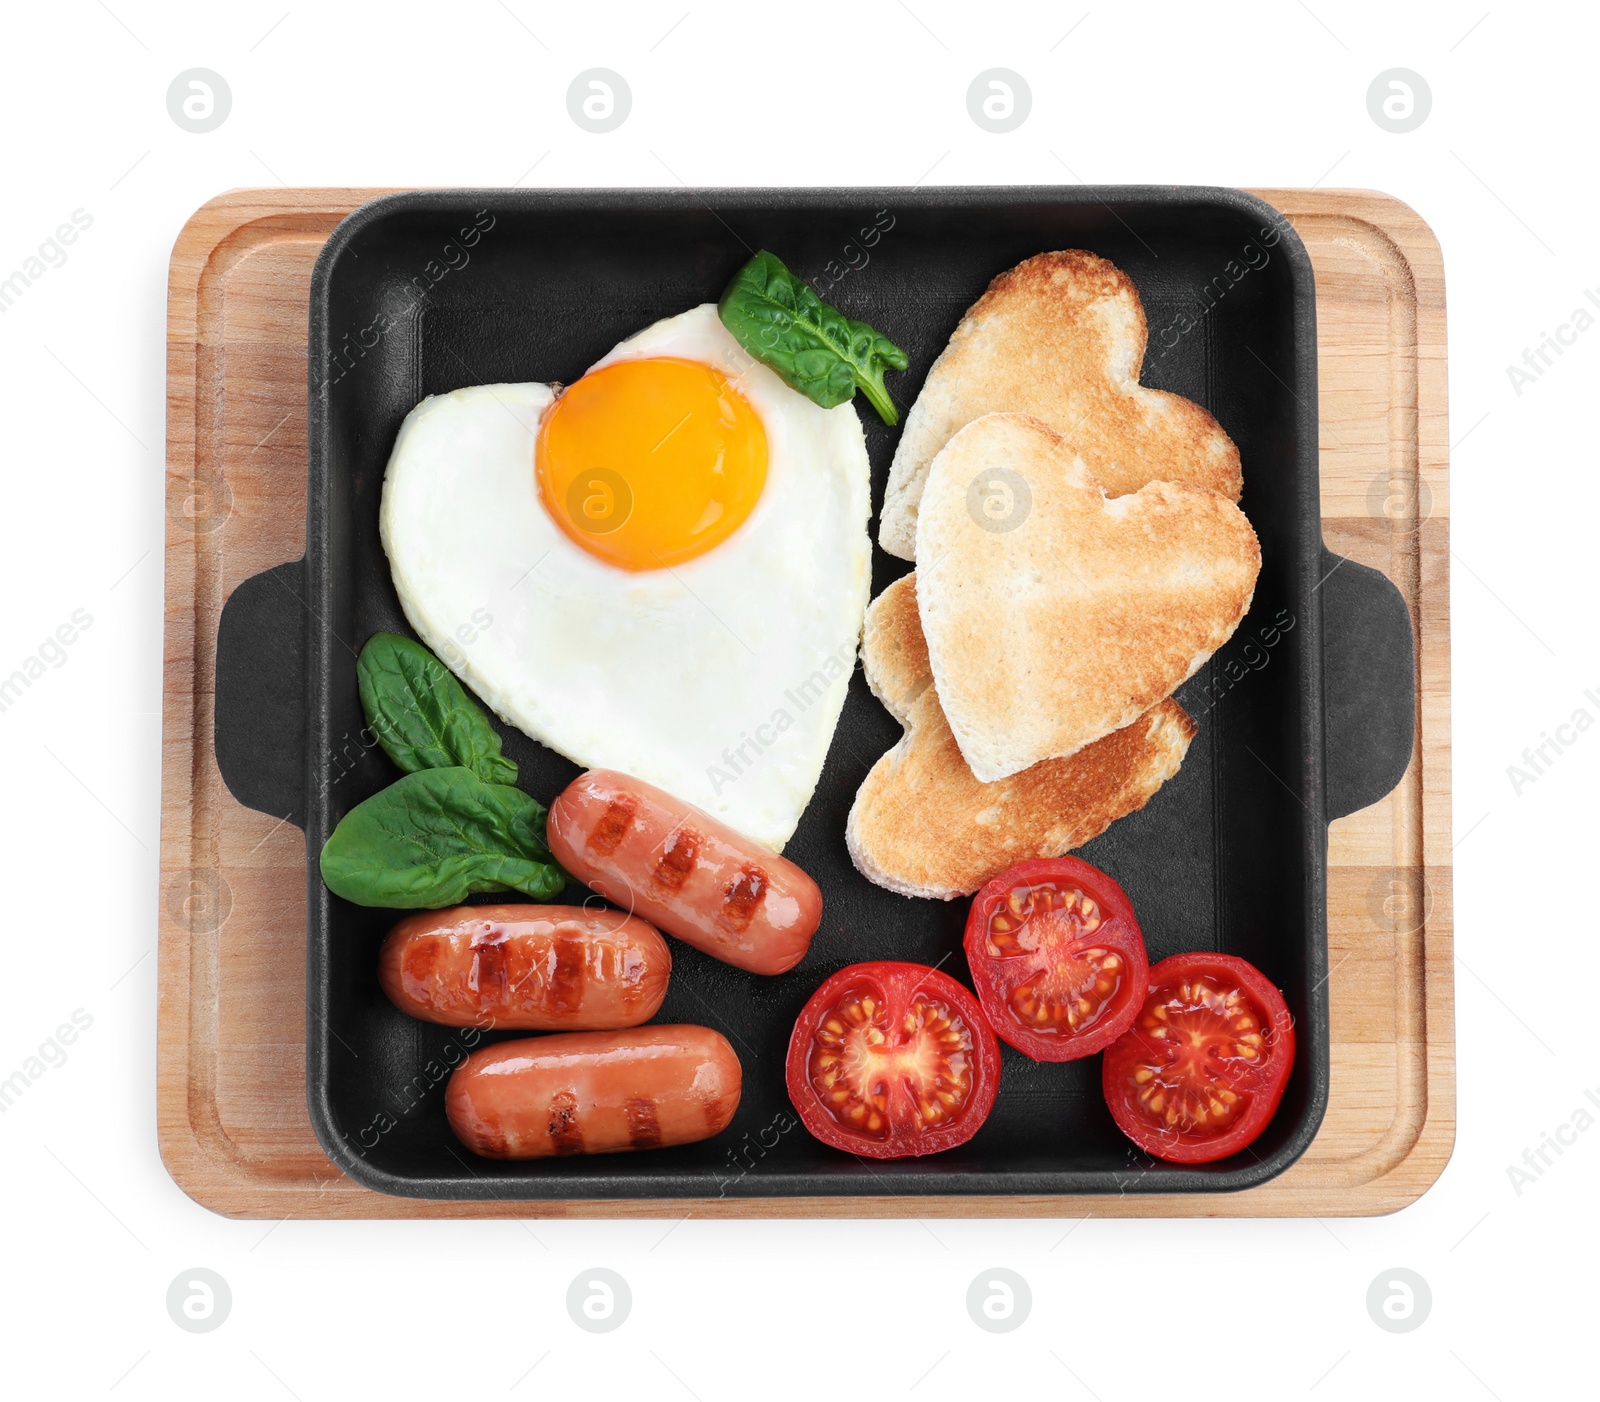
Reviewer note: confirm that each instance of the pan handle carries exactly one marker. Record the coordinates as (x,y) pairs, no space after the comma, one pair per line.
(260,705)
(1369,684)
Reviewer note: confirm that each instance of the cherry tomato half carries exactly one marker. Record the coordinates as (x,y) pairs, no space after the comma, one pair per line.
(1201,1071)
(1057,958)
(891,1060)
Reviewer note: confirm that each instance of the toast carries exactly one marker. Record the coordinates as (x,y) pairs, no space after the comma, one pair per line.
(922,825)
(1062,337)
(1054,615)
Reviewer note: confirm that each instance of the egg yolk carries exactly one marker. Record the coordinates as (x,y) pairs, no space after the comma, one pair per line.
(648,463)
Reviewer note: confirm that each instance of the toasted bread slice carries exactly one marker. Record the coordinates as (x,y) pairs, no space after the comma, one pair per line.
(921,824)
(1062,337)
(1053,614)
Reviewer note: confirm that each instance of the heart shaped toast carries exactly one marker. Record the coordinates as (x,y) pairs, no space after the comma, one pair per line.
(922,825)
(1060,336)
(1053,614)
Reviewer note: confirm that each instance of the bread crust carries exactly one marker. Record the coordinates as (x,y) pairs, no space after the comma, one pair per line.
(923,825)
(1076,613)
(1060,336)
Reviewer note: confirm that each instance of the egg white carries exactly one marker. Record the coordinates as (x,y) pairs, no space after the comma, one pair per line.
(720,679)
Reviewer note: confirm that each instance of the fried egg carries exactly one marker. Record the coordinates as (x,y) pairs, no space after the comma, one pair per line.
(672,556)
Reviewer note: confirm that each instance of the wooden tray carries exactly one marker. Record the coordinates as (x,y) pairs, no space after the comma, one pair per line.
(231,1098)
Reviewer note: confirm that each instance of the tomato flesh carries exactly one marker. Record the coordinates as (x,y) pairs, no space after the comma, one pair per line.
(889,1060)
(1201,1071)
(1057,957)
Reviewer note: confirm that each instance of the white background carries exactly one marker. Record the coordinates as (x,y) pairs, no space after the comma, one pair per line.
(473,92)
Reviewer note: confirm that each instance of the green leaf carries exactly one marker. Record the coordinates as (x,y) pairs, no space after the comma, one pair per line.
(422,716)
(436,837)
(816,348)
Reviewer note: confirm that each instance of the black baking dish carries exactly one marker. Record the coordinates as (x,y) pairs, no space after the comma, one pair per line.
(1306,715)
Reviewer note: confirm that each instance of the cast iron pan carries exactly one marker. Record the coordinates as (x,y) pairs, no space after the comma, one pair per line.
(1305,716)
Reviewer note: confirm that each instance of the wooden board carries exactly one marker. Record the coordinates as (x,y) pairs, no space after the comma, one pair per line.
(234,1129)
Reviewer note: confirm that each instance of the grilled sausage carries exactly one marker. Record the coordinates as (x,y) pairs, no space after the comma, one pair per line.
(684,871)
(544,968)
(594,1092)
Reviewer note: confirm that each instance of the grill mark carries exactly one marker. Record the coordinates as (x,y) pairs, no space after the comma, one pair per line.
(716,1110)
(489,978)
(677,862)
(741,898)
(644,1128)
(566,974)
(421,958)
(565,1133)
(614,823)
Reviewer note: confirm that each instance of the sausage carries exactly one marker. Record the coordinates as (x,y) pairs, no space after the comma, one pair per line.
(594,1092)
(684,871)
(544,968)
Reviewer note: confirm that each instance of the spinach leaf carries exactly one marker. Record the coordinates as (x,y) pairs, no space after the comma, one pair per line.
(436,837)
(420,714)
(816,348)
